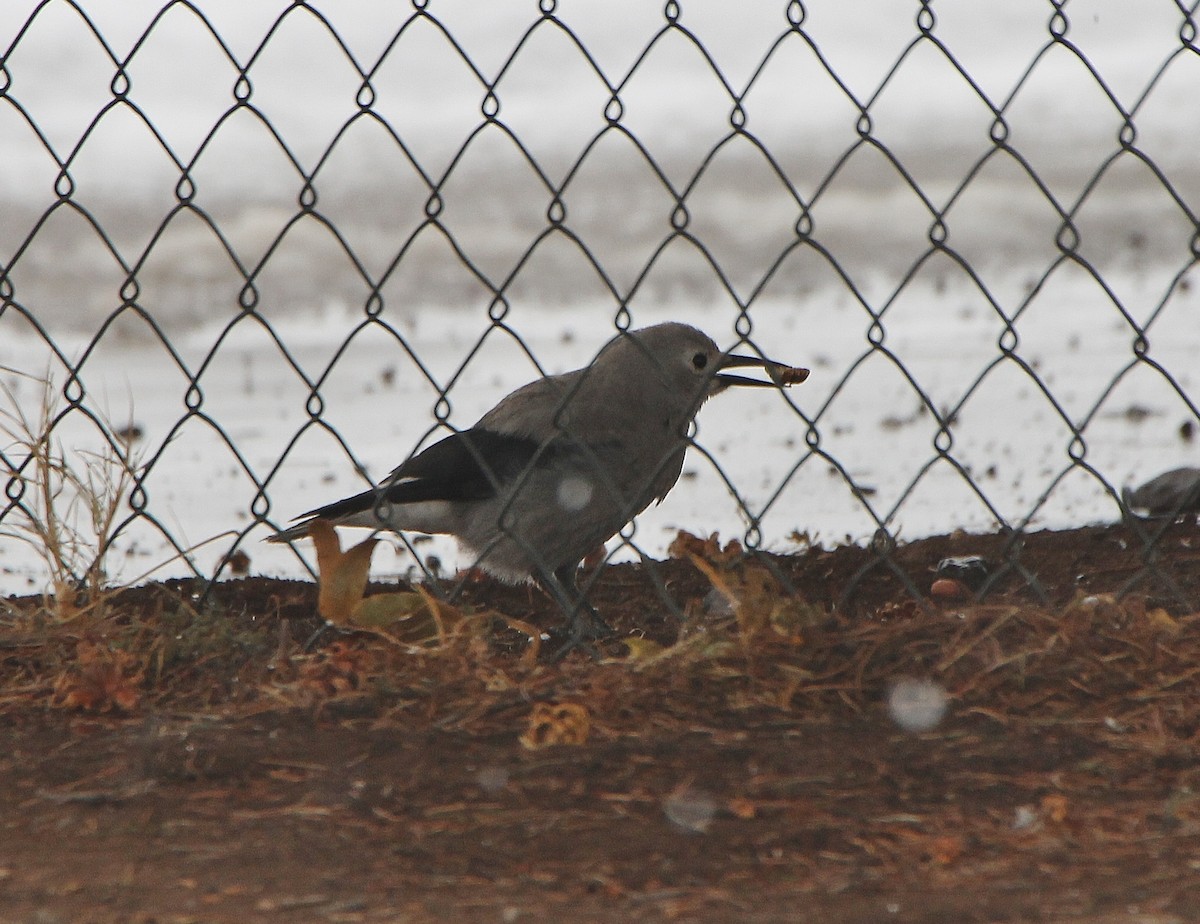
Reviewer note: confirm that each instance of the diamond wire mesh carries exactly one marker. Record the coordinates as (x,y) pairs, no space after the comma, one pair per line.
(817,190)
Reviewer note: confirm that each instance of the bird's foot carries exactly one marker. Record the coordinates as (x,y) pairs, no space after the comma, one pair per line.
(592,624)
(574,644)
(321,630)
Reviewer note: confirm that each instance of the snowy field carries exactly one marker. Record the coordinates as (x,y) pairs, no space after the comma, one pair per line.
(869,252)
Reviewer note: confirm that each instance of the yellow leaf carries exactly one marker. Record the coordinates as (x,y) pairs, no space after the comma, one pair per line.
(381,610)
(411,617)
(1161,619)
(343,575)
(641,649)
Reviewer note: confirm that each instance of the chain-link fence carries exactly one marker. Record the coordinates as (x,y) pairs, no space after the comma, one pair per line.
(267,251)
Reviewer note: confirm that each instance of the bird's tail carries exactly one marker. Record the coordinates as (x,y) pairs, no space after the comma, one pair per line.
(342,511)
(292,533)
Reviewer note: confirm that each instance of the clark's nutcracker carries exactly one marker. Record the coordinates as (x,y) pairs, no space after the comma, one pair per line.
(1172,493)
(561,464)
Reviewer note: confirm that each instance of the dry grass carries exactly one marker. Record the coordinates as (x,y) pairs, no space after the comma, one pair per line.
(1098,660)
(67,502)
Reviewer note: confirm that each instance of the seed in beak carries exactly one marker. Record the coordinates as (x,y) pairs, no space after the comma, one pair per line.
(787,375)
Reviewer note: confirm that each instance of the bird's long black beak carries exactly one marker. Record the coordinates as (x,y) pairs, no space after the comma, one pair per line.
(779,374)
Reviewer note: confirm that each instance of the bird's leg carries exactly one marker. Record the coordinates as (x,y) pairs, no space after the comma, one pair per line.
(314,638)
(584,624)
(581,615)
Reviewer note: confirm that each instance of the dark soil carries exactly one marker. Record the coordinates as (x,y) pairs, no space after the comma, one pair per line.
(176,756)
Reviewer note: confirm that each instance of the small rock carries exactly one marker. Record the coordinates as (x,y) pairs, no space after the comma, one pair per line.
(971,570)
(949,589)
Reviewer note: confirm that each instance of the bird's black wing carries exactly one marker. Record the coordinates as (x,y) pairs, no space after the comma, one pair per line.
(465,466)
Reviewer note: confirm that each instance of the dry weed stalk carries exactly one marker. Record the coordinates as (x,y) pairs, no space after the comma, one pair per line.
(64,504)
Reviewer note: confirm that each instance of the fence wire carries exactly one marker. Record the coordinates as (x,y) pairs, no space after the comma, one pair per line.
(560,182)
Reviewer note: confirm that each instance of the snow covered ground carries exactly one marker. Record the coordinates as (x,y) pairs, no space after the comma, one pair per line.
(869,227)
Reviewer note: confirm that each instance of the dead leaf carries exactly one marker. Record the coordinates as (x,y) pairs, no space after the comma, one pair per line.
(239,563)
(382,610)
(337,669)
(101,679)
(343,575)
(553,724)
(641,649)
(1054,807)
(757,600)
(686,545)
(414,617)
(946,849)
(1162,620)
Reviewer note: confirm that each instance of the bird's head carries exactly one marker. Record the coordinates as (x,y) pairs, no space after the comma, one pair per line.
(688,362)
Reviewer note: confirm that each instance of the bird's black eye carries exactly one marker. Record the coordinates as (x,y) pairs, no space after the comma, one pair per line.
(700,360)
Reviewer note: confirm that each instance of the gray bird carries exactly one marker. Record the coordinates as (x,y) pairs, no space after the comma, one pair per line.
(561,464)
(1172,493)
